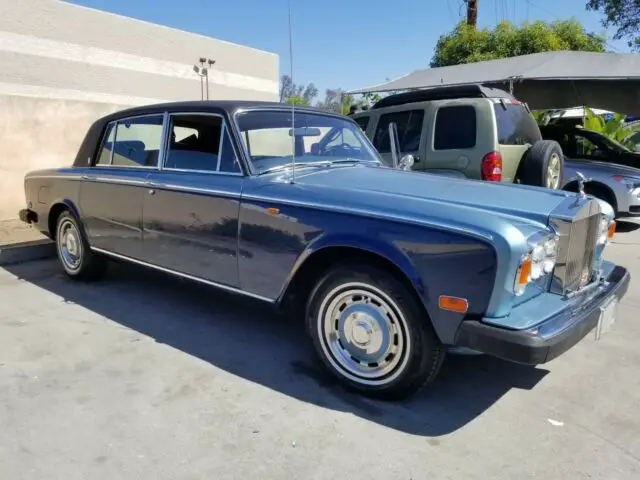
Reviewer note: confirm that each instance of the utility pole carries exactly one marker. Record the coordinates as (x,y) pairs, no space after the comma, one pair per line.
(472,13)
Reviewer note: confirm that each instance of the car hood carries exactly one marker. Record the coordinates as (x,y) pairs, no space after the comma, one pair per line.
(383,188)
(593,166)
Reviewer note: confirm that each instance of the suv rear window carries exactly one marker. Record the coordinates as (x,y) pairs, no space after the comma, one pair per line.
(516,126)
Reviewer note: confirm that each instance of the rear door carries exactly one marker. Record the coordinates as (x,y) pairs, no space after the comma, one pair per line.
(112,189)
(453,141)
(191,204)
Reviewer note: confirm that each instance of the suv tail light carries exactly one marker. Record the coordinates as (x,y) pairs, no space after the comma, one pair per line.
(492,167)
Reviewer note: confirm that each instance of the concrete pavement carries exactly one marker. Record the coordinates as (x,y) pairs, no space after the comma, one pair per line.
(144,376)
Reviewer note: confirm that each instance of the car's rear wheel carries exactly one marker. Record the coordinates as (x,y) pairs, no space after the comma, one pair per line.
(371,333)
(74,252)
(543,165)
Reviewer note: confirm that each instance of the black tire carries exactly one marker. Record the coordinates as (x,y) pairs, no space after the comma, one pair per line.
(418,352)
(83,263)
(534,166)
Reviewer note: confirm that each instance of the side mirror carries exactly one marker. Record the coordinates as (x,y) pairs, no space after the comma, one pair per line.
(315,148)
(406,162)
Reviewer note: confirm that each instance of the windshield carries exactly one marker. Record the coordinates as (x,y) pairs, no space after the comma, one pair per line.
(607,142)
(269,139)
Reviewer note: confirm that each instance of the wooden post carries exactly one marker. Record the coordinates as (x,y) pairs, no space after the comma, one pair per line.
(472,13)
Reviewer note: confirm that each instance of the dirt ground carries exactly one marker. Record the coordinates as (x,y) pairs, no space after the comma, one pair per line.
(16,231)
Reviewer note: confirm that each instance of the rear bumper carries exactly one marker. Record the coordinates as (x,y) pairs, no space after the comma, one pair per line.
(553,336)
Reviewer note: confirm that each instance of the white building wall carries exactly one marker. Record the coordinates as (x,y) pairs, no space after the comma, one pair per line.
(63,65)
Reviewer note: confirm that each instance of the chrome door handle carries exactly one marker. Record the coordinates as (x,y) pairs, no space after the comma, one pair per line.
(84,177)
(152,192)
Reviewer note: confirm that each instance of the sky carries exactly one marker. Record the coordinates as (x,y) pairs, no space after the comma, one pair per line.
(344,44)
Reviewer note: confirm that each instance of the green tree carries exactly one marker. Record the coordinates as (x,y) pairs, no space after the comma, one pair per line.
(624,15)
(614,128)
(296,94)
(466,44)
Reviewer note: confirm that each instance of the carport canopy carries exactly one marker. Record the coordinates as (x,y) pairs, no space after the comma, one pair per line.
(548,80)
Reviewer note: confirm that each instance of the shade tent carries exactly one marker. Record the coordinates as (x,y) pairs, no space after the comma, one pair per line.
(561,79)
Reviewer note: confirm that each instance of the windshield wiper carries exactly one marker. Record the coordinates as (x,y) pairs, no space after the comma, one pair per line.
(352,160)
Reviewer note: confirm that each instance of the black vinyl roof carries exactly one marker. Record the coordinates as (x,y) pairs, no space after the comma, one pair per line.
(442,93)
(215,106)
(222,107)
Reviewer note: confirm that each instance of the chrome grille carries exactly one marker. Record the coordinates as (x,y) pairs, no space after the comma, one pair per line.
(581,251)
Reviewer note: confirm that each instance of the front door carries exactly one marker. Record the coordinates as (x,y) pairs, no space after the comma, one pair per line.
(191,205)
(410,126)
(112,189)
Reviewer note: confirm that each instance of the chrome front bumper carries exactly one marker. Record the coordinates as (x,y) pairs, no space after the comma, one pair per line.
(556,332)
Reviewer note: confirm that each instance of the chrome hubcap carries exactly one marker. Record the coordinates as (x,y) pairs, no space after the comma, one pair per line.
(363,334)
(553,172)
(69,245)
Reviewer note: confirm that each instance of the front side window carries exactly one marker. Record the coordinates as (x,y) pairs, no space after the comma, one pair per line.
(455,128)
(271,141)
(363,122)
(409,125)
(136,143)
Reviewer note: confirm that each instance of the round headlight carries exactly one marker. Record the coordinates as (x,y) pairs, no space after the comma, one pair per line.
(550,251)
(603,231)
(537,262)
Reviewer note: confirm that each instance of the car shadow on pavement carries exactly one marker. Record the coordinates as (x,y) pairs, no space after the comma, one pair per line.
(624,226)
(249,340)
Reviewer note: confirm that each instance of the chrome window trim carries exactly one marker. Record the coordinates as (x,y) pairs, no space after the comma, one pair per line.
(114,180)
(115,138)
(184,188)
(185,275)
(204,172)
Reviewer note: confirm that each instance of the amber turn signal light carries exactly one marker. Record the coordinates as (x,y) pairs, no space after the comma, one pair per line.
(453,304)
(612,230)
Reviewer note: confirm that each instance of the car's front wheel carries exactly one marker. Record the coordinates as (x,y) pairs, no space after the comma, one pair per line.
(74,252)
(370,332)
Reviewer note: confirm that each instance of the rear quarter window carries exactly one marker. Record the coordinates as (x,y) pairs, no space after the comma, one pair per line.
(516,126)
(455,128)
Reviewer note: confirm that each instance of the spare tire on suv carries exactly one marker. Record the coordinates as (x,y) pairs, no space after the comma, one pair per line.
(543,165)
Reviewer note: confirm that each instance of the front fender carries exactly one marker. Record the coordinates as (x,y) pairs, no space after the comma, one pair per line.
(435,262)
(376,246)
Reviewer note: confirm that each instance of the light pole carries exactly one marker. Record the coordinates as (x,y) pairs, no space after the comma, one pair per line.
(203,72)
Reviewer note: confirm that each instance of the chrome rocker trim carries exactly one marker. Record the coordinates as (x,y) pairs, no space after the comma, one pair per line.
(184,275)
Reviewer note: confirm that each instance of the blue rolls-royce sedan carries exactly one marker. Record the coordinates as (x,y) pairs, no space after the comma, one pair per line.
(387,268)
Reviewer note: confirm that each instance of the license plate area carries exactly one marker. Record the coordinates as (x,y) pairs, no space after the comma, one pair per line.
(607,318)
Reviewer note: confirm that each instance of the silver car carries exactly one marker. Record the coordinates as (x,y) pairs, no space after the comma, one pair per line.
(612,171)
(618,185)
